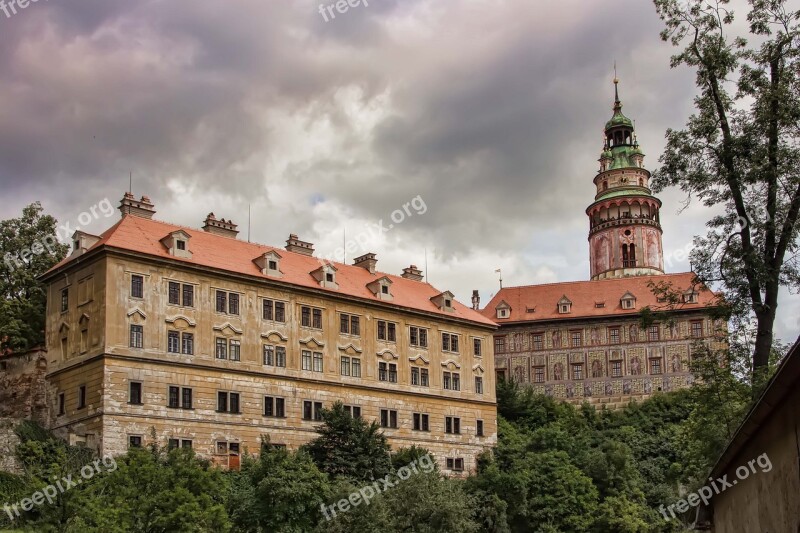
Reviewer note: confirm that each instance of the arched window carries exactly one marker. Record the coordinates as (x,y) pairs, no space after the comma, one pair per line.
(632,254)
(605,185)
(641,182)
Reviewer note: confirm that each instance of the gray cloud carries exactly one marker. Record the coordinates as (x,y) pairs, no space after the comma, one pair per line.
(491,111)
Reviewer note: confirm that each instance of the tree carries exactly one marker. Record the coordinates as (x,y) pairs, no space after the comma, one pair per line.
(350,447)
(740,152)
(280,491)
(28,248)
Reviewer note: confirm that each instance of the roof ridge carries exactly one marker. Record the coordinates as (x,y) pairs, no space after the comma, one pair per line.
(671,274)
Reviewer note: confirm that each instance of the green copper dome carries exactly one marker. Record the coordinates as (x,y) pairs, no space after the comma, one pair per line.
(619,120)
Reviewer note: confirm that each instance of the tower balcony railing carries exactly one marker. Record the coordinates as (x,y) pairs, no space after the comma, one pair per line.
(622,221)
(629,263)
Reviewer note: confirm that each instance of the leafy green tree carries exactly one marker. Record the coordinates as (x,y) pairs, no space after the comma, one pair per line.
(740,152)
(350,447)
(28,248)
(279,491)
(153,491)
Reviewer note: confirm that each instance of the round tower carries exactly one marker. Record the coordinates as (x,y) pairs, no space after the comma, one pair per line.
(624,227)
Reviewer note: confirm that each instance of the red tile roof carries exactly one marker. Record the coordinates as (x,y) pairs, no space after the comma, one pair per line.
(585,294)
(143,236)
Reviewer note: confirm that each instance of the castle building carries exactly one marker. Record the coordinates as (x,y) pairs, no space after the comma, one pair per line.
(585,340)
(202,340)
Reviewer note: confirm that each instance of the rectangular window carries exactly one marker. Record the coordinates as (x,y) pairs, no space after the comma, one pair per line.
(697,328)
(222,301)
(577,339)
(188,299)
(64,299)
(317,361)
(613,335)
(356,369)
(269,355)
(538,374)
(137,286)
(317,316)
(499,344)
(187,343)
(280,312)
(62,404)
(389,418)
(349,325)
(387,372)
(616,369)
(305,317)
(423,377)
(280,356)
(391,331)
(577,371)
(228,402)
(478,385)
(655,366)
(344,324)
(421,422)
(135,393)
(653,332)
(538,341)
(186,398)
(135,441)
(479,428)
(452,425)
(235,350)
(450,342)
(477,347)
(222,348)
(353,410)
(173,342)
(451,380)
(306,358)
(233,303)
(81,396)
(345,366)
(174,293)
(268,312)
(312,410)
(179,397)
(418,336)
(274,407)
(355,326)
(415,375)
(137,336)
(381,330)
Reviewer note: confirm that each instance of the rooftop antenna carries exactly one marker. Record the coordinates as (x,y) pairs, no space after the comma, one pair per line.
(426,265)
(500,271)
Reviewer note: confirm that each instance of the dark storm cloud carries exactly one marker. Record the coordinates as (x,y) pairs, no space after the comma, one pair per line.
(490,111)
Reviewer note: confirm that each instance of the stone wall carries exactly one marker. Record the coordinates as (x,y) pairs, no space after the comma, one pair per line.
(8,444)
(23,392)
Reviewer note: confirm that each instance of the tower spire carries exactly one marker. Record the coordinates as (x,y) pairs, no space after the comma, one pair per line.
(617,103)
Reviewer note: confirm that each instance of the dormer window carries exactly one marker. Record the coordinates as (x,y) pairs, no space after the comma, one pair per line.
(690,297)
(177,243)
(269,264)
(326,276)
(444,301)
(76,245)
(628,301)
(599,305)
(564,305)
(381,288)
(503,310)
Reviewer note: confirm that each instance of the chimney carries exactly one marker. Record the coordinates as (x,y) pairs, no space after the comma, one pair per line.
(138,208)
(412,273)
(366,261)
(293,244)
(223,227)
(476,300)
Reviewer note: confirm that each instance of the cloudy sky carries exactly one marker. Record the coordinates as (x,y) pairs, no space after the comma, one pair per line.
(489,111)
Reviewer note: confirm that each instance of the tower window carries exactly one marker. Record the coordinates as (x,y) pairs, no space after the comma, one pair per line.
(605,185)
